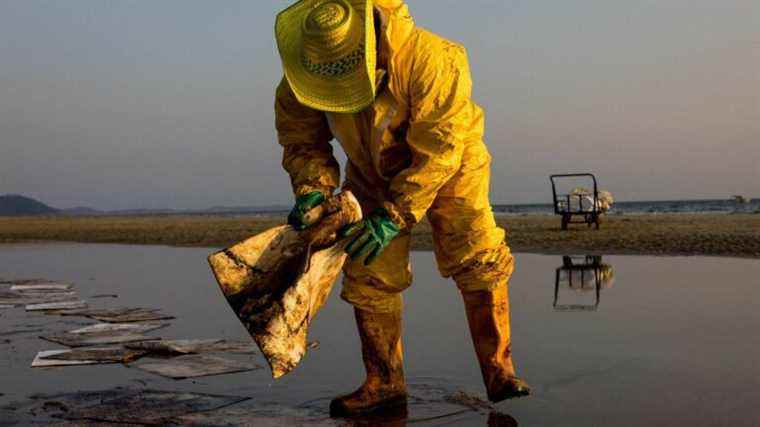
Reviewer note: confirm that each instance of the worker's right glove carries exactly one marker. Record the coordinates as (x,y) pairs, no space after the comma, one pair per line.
(372,235)
(304,204)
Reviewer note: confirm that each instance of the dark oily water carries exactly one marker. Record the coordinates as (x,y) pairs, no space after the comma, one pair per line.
(612,341)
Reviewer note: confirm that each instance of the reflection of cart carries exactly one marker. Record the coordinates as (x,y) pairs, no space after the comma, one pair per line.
(585,206)
(582,273)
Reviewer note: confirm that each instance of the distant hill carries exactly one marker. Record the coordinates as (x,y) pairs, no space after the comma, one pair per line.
(244,209)
(80,210)
(14,204)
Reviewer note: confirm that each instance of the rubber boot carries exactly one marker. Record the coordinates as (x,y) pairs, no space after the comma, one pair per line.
(384,387)
(488,317)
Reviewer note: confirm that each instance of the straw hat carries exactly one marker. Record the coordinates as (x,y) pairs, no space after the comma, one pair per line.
(328,53)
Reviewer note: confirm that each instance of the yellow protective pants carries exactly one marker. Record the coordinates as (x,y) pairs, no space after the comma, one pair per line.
(468,244)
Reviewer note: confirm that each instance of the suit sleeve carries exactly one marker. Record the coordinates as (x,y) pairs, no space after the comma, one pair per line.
(305,137)
(440,122)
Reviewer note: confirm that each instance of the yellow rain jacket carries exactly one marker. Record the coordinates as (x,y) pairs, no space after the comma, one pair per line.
(418,149)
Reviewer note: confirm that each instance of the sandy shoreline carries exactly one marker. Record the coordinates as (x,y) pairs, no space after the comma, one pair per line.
(735,235)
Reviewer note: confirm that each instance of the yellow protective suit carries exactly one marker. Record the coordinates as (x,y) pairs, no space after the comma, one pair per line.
(417,150)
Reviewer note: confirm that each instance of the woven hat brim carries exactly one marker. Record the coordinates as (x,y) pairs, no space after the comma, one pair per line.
(346,94)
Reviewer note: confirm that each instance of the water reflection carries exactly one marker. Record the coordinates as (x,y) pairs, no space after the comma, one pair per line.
(399,418)
(583,275)
(499,419)
(432,403)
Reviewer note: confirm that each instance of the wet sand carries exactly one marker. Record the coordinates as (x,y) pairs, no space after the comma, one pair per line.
(646,234)
(671,341)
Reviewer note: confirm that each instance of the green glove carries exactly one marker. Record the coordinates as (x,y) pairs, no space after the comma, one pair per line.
(304,204)
(373,234)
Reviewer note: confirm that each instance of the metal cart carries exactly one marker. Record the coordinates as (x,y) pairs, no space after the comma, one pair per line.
(563,203)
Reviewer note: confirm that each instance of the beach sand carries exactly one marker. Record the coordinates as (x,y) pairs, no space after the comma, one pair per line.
(644,234)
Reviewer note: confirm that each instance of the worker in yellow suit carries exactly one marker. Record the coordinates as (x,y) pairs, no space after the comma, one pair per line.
(398,100)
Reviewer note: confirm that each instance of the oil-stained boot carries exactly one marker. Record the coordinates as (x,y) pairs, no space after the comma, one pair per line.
(385,387)
(488,317)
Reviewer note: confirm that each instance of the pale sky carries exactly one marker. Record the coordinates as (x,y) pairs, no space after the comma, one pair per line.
(150,104)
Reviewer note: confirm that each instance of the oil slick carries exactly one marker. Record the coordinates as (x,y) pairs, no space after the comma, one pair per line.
(86,340)
(43,287)
(194,366)
(118,315)
(65,305)
(120,328)
(179,347)
(124,406)
(90,356)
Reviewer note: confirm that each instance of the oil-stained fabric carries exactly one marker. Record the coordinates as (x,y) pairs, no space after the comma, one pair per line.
(418,149)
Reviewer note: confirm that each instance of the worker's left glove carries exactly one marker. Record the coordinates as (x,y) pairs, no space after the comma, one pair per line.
(304,203)
(371,235)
